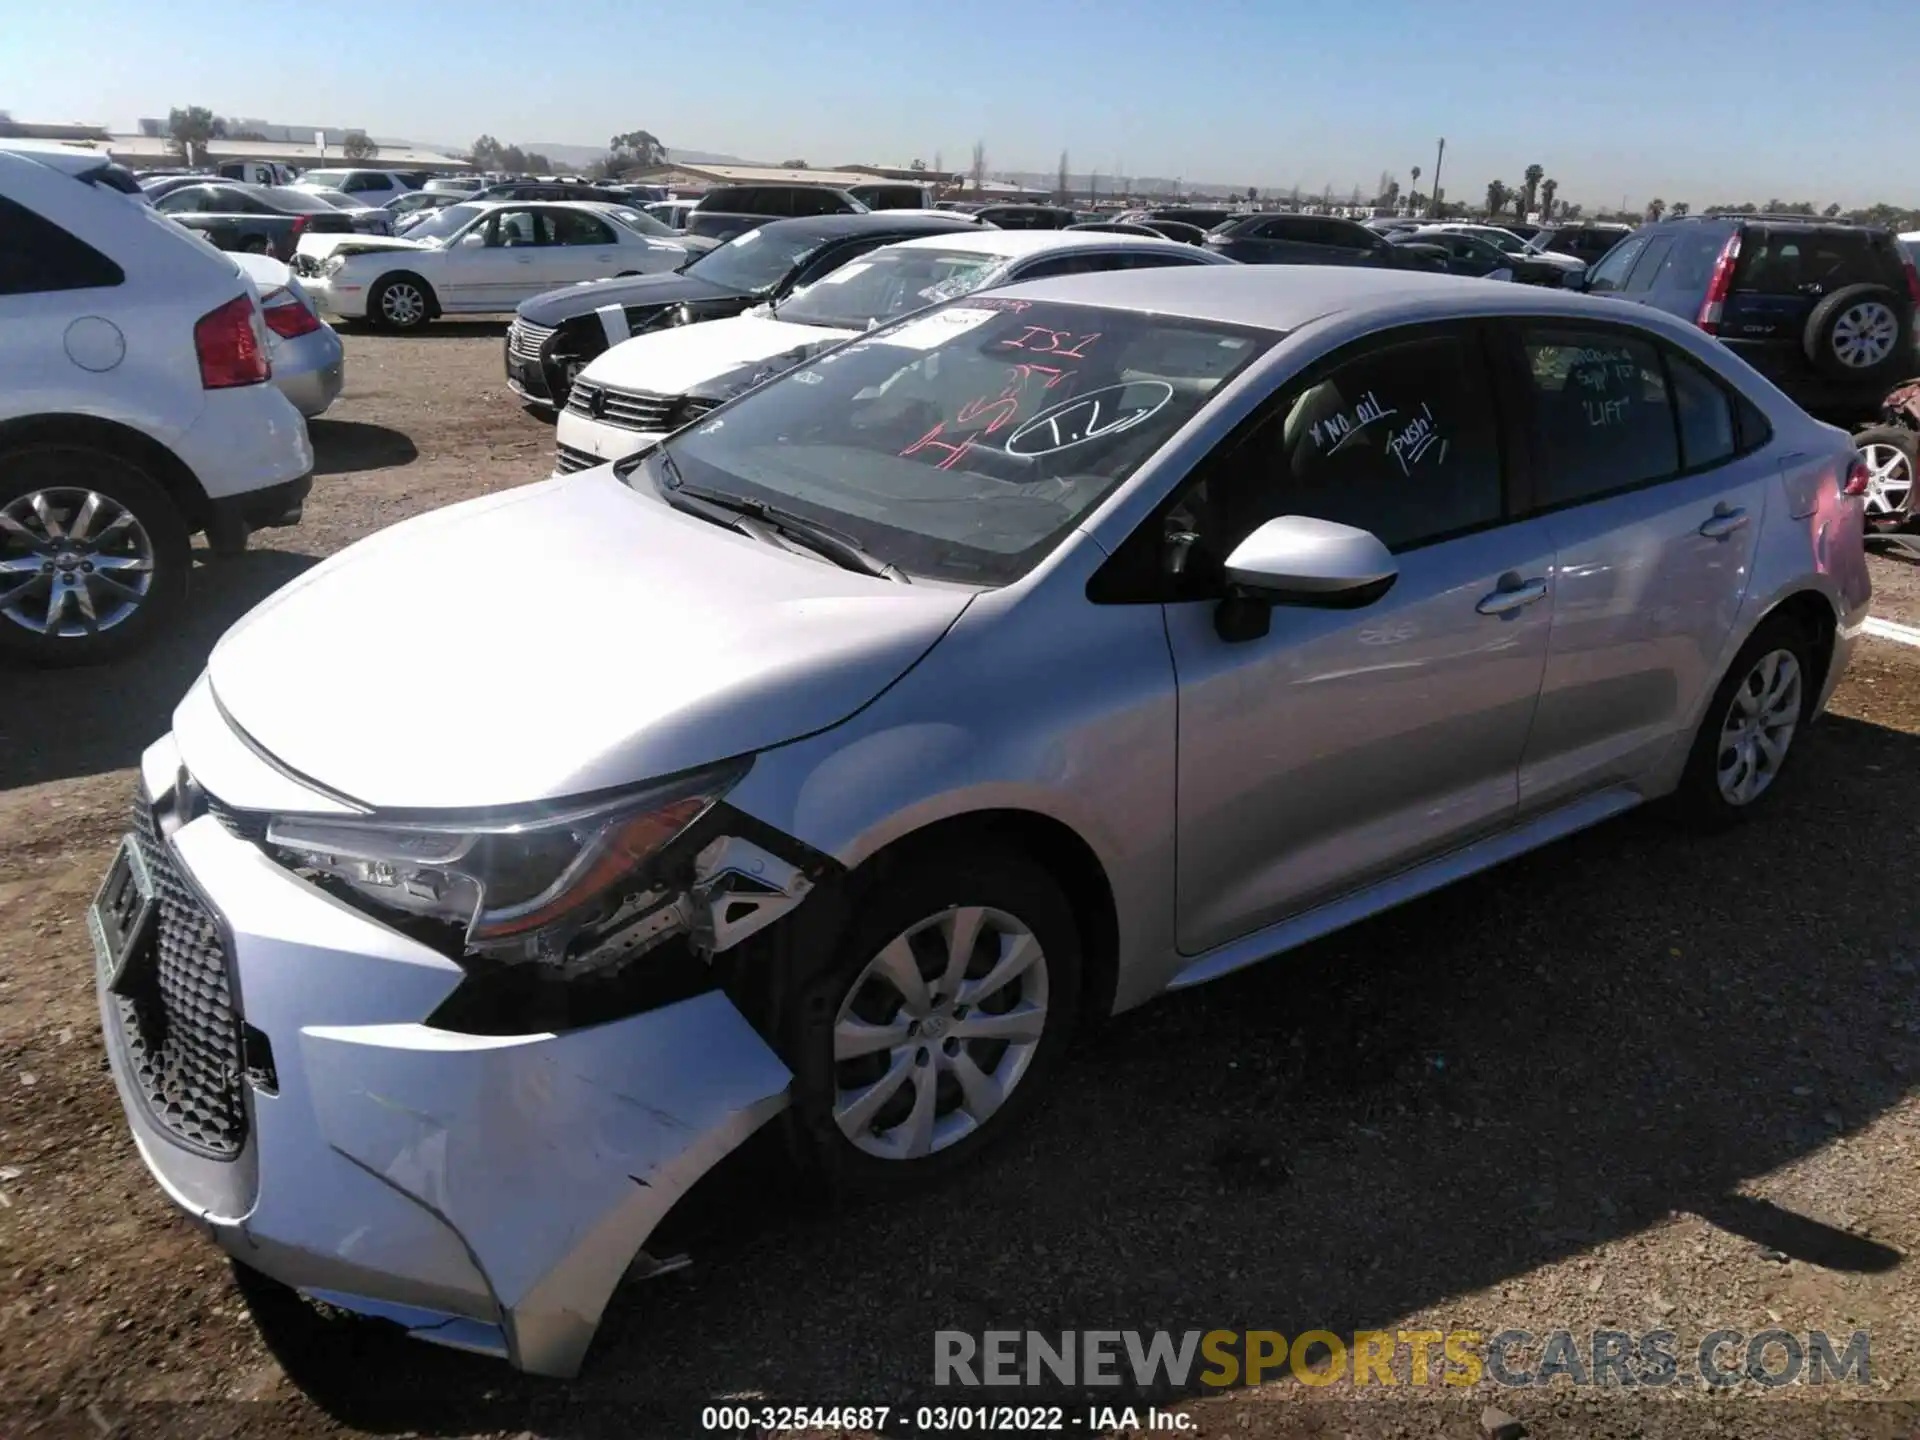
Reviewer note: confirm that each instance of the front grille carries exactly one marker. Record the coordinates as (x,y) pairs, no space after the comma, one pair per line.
(182,1036)
(625,409)
(567,460)
(245,824)
(525,339)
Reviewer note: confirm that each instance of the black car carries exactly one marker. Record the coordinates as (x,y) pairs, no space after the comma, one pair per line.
(1026,217)
(264,219)
(1823,308)
(1584,242)
(554,335)
(1205,217)
(551,190)
(780,202)
(1155,229)
(716,227)
(1310,240)
(1471,255)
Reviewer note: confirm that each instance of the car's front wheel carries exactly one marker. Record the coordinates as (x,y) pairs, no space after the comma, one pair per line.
(932,1028)
(1892,454)
(400,302)
(93,554)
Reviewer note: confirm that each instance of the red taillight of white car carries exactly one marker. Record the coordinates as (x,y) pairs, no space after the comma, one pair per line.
(1717,287)
(230,346)
(286,316)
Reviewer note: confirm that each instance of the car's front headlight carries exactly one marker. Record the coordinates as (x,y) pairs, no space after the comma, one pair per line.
(333,264)
(542,887)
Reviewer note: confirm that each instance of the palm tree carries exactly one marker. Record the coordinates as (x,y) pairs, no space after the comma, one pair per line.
(1548,189)
(1656,208)
(1679,208)
(1497,193)
(1535,173)
(1413,200)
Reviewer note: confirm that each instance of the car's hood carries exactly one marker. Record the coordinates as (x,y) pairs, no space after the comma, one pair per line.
(636,291)
(741,378)
(1564,262)
(319,247)
(567,637)
(669,362)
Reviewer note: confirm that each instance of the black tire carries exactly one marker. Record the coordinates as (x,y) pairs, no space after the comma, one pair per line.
(52,469)
(1700,802)
(926,886)
(404,318)
(1854,306)
(1885,512)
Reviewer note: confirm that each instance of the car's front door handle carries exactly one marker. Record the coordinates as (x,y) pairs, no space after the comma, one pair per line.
(1509,598)
(1726,519)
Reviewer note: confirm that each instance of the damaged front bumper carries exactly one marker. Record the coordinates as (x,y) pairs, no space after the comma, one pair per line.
(485,1191)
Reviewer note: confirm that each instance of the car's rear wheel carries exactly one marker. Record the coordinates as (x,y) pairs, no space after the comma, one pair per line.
(1860,333)
(1892,455)
(1747,735)
(93,555)
(932,1028)
(400,302)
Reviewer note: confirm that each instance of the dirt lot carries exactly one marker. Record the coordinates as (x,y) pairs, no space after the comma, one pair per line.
(1639,1081)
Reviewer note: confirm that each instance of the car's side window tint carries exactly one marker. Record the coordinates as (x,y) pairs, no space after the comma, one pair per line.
(1611,273)
(1707,433)
(570,227)
(1649,263)
(1401,440)
(1603,421)
(38,256)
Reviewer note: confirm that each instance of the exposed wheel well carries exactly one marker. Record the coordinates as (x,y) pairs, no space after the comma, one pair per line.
(426,288)
(166,468)
(1814,613)
(1057,849)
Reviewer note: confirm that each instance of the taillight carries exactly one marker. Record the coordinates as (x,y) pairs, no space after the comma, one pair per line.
(1717,287)
(1913,276)
(286,316)
(230,346)
(1857,476)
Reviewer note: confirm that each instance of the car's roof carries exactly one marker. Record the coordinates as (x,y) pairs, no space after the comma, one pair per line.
(71,159)
(1018,244)
(837,227)
(1285,297)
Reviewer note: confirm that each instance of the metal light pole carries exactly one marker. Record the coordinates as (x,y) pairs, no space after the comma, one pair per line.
(1433,191)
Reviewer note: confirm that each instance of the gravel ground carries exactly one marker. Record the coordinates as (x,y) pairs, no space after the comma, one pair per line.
(1639,1081)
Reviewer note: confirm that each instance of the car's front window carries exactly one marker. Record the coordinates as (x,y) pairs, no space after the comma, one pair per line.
(445,224)
(754,262)
(962,444)
(889,283)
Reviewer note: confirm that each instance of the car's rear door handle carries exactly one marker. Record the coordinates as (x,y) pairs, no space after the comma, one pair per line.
(1509,598)
(1726,519)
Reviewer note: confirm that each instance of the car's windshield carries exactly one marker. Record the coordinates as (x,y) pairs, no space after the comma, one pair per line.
(444,223)
(756,261)
(964,443)
(889,283)
(642,224)
(331,179)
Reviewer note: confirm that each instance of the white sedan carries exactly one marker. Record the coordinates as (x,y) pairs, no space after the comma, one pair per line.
(479,257)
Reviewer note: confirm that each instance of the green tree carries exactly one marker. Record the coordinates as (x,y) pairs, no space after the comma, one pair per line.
(1497,194)
(192,128)
(1548,189)
(358,147)
(1656,207)
(1679,208)
(1253,194)
(638,148)
(917,165)
(539,163)
(1531,190)
(793,164)
(485,153)
(1831,210)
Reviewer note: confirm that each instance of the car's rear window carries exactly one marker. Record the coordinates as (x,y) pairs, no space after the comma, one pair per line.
(1784,260)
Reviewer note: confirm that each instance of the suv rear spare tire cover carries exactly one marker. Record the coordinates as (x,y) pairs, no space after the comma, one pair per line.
(1860,332)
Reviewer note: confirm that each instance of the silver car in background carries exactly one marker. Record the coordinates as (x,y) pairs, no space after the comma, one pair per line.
(1017,661)
(309,362)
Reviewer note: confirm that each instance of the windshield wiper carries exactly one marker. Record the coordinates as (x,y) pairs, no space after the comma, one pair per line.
(842,550)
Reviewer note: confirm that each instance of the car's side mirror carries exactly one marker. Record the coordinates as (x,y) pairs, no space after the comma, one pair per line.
(1298,560)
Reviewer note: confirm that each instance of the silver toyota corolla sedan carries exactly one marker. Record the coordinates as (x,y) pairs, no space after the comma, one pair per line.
(1015,662)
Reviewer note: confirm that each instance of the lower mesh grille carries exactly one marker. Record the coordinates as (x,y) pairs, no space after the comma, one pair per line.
(181,1033)
(567,460)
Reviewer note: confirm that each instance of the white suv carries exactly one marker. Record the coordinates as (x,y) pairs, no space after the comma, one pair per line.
(134,411)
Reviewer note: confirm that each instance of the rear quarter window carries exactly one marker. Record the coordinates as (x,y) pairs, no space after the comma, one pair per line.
(37,256)
(1779,261)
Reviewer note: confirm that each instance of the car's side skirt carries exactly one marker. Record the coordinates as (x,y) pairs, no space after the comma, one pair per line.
(1407,885)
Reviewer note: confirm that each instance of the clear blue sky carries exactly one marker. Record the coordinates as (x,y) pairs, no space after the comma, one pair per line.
(1681,98)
